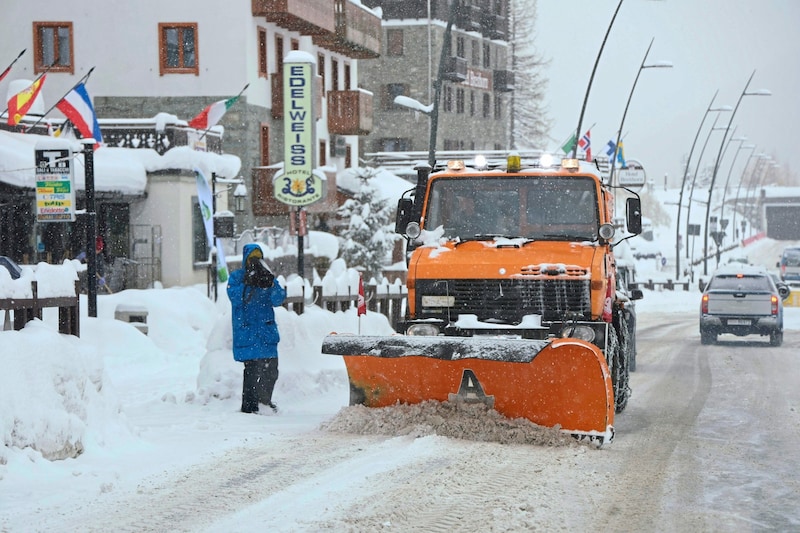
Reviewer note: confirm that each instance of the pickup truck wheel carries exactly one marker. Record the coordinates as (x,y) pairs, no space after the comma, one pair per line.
(707,337)
(776,338)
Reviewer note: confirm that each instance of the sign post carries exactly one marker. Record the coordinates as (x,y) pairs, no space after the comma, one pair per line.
(299,184)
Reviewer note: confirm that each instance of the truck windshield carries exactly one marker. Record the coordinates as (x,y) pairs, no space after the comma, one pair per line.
(737,283)
(539,208)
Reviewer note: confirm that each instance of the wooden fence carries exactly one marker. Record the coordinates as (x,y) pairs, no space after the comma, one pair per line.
(389,301)
(26,309)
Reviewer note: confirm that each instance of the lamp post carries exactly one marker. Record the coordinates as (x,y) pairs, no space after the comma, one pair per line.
(660,64)
(742,146)
(709,109)
(752,184)
(760,92)
(696,173)
(739,188)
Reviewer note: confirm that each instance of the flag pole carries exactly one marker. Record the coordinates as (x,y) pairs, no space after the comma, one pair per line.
(237,96)
(8,68)
(82,80)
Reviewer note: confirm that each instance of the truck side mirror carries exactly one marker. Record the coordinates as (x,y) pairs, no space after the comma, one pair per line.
(404,206)
(633,213)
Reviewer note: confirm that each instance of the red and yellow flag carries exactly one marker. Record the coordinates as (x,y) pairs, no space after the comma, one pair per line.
(20,103)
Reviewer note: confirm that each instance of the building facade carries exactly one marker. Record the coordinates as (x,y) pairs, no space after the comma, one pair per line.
(477,82)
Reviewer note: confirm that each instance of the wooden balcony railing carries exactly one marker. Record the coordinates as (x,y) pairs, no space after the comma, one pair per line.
(309,17)
(350,112)
(358,32)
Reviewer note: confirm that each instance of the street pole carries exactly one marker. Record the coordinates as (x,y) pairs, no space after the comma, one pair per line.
(213,272)
(91,227)
(454,7)
(716,164)
(683,185)
(742,146)
(739,188)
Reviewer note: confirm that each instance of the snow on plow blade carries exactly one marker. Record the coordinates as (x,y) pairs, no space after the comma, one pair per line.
(561,382)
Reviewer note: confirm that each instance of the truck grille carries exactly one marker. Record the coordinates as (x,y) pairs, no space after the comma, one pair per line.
(511,299)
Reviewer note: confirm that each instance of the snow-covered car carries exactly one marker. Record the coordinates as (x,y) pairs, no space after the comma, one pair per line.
(741,300)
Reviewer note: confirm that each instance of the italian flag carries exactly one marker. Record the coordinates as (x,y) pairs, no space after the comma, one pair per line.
(212,114)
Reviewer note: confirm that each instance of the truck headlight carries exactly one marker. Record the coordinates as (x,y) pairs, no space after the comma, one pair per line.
(422,329)
(438,301)
(585,333)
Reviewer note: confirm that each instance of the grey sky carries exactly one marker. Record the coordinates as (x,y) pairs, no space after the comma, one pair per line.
(713,44)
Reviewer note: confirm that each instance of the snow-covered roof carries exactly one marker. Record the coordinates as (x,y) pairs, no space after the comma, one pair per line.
(115,169)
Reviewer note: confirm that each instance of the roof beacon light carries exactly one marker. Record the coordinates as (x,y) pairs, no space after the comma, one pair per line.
(546,161)
(513,162)
(480,162)
(570,164)
(455,164)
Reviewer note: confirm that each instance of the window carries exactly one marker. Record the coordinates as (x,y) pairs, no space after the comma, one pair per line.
(264,145)
(394,43)
(487,106)
(392,90)
(177,48)
(459,100)
(448,99)
(472,103)
(295,44)
(460,47)
(347,76)
(334,75)
(498,108)
(52,45)
(321,70)
(279,53)
(323,154)
(476,53)
(487,63)
(262,52)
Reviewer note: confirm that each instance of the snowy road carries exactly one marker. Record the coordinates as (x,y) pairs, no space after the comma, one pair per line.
(708,443)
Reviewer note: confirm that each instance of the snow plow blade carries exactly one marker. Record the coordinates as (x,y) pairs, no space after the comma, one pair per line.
(561,382)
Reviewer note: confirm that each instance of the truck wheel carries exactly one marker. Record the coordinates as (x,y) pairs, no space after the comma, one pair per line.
(776,338)
(619,371)
(707,337)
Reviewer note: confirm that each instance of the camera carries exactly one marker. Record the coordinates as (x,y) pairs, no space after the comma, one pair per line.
(258,274)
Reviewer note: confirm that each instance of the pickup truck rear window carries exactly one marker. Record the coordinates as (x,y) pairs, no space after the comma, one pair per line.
(744,283)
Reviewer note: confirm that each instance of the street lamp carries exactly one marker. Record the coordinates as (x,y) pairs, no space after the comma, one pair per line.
(728,179)
(659,64)
(709,109)
(760,92)
(739,188)
(696,173)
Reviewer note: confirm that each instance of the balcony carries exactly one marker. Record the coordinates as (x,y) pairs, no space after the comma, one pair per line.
(350,112)
(503,81)
(358,32)
(309,17)
(455,69)
(276,83)
(469,17)
(493,26)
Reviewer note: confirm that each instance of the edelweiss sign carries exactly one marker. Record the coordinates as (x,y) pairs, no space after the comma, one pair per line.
(299,185)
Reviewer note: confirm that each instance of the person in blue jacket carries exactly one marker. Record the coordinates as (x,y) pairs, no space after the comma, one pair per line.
(253,292)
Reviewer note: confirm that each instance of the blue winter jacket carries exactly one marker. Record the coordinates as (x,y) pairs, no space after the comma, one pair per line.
(255,333)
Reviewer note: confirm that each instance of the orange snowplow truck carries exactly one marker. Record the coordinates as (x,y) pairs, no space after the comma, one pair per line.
(511,297)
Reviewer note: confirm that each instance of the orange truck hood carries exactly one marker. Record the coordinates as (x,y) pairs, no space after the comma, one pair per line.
(500,259)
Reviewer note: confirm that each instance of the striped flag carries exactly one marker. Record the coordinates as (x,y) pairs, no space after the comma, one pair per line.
(77,107)
(586,144)
(20,103)
(211,115)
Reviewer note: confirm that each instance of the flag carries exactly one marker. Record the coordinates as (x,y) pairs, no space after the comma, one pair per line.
(621,156)
(362,302)
(610,150)
(586,144)
(212,114)
(20,103)
(77,107)
(568,146)
(204,198)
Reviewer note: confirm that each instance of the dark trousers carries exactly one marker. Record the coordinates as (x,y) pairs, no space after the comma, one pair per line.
(259,380)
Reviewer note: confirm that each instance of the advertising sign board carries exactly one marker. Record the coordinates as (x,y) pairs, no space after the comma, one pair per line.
(55,184)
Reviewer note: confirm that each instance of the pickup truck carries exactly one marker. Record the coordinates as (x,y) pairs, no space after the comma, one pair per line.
(741,300)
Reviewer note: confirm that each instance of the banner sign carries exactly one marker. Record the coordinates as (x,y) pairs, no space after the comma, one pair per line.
(299,185)
(55,184)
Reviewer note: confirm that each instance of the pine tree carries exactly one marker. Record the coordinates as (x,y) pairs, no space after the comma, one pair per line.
(369,238)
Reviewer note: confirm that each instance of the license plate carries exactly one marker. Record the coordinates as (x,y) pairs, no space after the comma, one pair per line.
(738,322)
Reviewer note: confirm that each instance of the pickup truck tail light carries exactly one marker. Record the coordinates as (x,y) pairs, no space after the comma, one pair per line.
(704,304)
(774,300)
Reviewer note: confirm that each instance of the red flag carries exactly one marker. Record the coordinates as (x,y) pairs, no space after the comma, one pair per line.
(20,103)
(586,144)
(362,303)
